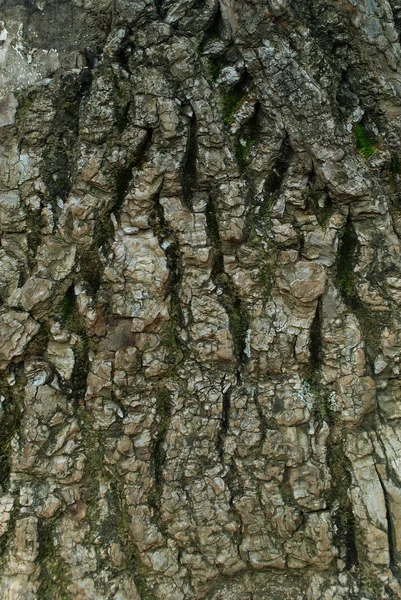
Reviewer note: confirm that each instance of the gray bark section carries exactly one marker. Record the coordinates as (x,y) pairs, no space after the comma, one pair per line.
(200,215)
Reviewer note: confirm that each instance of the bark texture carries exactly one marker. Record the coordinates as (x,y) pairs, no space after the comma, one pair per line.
(200,281)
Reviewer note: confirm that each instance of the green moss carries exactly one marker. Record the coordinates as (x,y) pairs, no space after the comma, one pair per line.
(369,321)
(242,150)
(171,342)
(363,142)
(54,580)
(25,102)
(231,101)
(214,68)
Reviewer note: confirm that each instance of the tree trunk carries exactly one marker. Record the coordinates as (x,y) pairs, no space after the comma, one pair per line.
(200,282)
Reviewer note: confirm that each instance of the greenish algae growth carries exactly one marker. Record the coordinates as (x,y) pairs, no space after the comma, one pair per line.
(363,142)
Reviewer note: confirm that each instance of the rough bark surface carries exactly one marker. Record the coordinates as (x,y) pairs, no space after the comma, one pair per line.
(200,281)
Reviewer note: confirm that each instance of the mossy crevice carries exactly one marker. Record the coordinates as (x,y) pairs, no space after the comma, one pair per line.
(54,579)
(391,530)
(346,261)
(338,497)
(119,529)
(7,538)
(247,138)
(365,144)
(94,472)
(233,97)
(258,217)
(340,501)
(235,308)
(347,281)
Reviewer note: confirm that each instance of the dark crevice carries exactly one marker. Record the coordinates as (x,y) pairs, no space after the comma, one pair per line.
(247,138)
(168,241)
(234,483)
(396,10)
(122,55)
(346,262)
(214,31)
(318,200)
(264,424)
(390,529)
(91,59)
(274,180)
(286,490)
(224,423)
(104,228)
(189,179)
(229,298)
(159,7)
(316,342)
(37,347)
(158,449)
(91,269)
(73,321)
(57,166)
(35,224)
(81,368)
(9,426)
(123,119)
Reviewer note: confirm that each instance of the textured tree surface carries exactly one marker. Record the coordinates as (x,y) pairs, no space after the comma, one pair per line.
(200,281)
